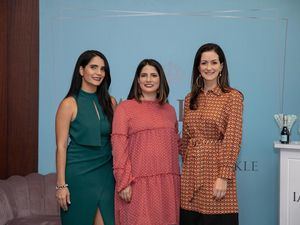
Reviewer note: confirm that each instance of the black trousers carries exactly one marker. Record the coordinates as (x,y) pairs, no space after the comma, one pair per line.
(195,218)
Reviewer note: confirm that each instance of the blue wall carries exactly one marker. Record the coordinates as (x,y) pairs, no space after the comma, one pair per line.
(259,37)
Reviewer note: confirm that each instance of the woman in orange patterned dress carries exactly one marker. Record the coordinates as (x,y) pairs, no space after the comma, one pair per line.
(212,133)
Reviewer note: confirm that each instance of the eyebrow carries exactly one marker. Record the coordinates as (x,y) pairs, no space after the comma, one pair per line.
(209,60)
(150,73)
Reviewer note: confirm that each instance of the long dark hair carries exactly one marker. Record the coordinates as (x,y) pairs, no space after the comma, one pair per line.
(102,90)
(163,90)
(197,86)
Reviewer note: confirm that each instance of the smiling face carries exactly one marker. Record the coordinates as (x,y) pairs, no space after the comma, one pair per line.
(149,82)
(92,74)
(210,67)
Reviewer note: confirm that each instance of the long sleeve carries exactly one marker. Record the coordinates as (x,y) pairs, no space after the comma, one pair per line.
(122,164)
(232,136)
(185,133)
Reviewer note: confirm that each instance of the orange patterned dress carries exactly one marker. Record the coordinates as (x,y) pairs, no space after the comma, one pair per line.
(210,146)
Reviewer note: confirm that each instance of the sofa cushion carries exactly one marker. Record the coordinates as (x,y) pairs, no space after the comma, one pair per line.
(6,212)
(18,195)
(36,193)
(29,199)
(51,205)
(42,199)
(36,220)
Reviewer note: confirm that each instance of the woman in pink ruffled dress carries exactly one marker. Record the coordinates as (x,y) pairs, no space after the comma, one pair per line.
(145,150)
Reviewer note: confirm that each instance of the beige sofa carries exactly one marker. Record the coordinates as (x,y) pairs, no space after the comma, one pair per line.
(29,200)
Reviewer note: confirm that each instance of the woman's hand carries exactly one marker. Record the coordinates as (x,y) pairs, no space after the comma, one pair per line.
(126,194)
(63,198)
(220,188)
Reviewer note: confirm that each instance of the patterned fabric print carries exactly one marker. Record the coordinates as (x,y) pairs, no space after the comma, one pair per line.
(210,146)
(145,149)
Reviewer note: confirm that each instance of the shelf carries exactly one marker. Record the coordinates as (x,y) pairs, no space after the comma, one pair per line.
(294,145)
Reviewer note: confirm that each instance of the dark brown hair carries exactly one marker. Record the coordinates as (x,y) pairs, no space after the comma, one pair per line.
(163,90)
(102,90)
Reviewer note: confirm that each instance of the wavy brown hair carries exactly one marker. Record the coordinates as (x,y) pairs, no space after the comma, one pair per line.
(223,80)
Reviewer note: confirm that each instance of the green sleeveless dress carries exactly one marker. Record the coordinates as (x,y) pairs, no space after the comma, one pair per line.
(89,170)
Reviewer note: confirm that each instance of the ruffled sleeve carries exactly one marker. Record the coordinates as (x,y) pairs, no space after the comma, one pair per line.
(232,136)
(121,164)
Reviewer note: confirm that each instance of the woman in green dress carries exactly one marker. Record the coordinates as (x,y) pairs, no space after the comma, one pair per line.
(84,164)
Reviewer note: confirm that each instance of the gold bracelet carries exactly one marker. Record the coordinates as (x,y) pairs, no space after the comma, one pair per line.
(61,186)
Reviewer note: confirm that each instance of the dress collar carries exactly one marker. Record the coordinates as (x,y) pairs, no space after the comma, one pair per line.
(217,90)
